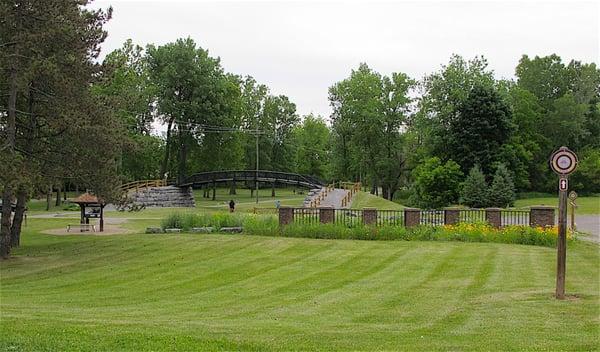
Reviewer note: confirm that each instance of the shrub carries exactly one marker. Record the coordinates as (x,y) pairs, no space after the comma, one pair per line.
(436,185)
(502,191)
(474,191)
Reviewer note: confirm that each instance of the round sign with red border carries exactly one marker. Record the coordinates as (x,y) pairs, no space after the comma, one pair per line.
(563,161)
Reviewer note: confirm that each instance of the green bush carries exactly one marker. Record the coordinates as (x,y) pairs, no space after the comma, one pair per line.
(436,185)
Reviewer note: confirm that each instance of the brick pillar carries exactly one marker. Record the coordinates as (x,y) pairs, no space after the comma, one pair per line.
(451,216)
(493,216)
(541,216)
(326,215)
(412,217)
(286,215)
(369,216)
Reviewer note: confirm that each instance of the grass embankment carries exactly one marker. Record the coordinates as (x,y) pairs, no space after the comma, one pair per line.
(585,205)
(235,292)
(367,200)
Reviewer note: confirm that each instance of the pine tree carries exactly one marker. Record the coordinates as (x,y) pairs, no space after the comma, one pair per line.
(474,191)
(502,190)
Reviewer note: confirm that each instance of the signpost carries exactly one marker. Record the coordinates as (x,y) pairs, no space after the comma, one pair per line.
(563,162)
(572,198)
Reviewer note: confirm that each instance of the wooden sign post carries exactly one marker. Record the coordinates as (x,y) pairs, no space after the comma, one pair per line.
(563,162)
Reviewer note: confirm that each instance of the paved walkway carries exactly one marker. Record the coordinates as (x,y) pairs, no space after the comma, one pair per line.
(589,224)
(334,199)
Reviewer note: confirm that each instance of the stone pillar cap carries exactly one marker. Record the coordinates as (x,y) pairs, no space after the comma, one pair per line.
(542,207)
(496,209)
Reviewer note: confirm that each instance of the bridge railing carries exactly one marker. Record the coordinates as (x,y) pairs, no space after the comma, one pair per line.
(251,175)
(142,184)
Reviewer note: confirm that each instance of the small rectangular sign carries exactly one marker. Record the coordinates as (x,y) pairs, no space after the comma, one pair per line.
(563,184)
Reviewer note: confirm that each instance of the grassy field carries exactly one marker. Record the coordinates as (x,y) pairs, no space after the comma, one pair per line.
(235,292)
(368,200)
(585,205)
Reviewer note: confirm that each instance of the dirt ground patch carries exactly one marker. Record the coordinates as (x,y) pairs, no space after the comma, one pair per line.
(109,229)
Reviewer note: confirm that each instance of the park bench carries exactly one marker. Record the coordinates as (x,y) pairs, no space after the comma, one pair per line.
(81,227)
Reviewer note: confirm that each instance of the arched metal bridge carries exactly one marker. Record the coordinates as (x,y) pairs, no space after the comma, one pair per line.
(213,177)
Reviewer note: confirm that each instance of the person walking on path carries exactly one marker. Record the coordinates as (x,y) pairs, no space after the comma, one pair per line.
(231,206)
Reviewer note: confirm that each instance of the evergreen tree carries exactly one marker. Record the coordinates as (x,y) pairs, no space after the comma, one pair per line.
(502,191)
(481,128)
(474,191)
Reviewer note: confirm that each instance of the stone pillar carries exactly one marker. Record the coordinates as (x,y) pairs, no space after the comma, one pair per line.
(286,215)
(369,216)
(326,215)
(412,217)
(541,216)
(493,216)
(451,216)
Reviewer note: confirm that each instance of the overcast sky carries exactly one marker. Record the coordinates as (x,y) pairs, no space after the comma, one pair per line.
(301,48)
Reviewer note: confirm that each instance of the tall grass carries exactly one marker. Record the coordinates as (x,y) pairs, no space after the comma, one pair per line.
(186,221)
(268,225)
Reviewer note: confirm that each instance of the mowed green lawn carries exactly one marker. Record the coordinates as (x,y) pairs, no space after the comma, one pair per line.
(585,205)
(236,292)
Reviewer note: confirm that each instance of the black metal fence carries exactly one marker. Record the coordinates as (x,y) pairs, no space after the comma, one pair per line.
(412,217)
(306,216)
(390,218)
(348,217)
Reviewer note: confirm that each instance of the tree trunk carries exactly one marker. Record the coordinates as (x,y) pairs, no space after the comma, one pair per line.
(273,189)
(385,191)
(65,193)
(15,233)
(165,163)
(9,150)
(214,189)
(58,196)
(48,198)
(232,190)
(29,133)
(182,156)
(391,194)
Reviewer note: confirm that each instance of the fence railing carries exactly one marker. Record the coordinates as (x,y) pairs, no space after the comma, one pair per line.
(305,215)
(514,217)
(536,216)
(390,218)
(137,185)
